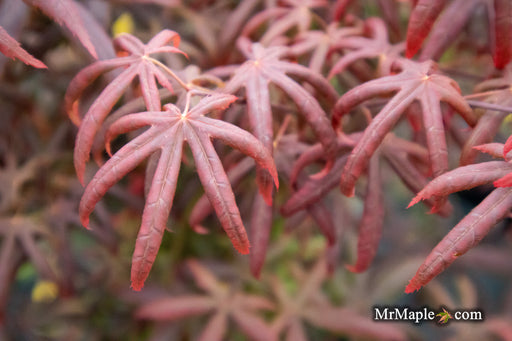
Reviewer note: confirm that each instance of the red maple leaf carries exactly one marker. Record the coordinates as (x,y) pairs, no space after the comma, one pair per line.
(224,301)
(476,224)
(168,130)
(12,49)
(416,82)
(139,63)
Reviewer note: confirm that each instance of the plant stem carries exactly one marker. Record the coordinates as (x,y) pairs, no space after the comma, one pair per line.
(490,106)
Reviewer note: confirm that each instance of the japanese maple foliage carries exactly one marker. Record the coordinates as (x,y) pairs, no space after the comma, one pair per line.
(168,131)
(11,48)
(221,299)
(308,122)
(423,19)
(416,82)
(472,228)
(267,62)
(139,64)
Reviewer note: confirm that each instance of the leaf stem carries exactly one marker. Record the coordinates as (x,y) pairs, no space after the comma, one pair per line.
(171,73)
(282,129)
(490,106)
(483,94)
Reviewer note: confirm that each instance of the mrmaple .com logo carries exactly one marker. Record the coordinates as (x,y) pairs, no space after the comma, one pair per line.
(441,316)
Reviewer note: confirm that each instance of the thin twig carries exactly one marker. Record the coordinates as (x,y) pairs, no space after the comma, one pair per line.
(483,94)
(490,106)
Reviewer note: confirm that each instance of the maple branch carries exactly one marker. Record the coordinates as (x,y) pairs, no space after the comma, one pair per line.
(490,106)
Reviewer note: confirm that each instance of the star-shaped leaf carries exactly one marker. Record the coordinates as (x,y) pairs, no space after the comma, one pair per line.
(416,82)
(309,304)
(137,63)
(225,303)
(321,43)
(168,130)
(264,67)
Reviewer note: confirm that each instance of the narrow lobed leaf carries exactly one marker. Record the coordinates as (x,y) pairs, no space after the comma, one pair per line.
(463,178)
(502,33)
(217,187)
(464,236)
(215,329)
(421,21)
(174,308)
(12,49)
(370,227)
(66,12)
(158,206)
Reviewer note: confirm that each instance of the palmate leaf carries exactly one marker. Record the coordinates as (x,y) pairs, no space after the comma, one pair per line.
(310,305)
(416,82)
(474,226)
(167,132)
(263,67)
(12,49)
(222,300)
(138,63)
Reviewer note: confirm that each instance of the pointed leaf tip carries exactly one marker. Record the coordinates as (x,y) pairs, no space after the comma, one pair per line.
(507,147)
(415,200)
(12,49)
(137,285)
(409,289)
(243,248)
(353,268)
(505,181)
(85,222)
(348,191)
